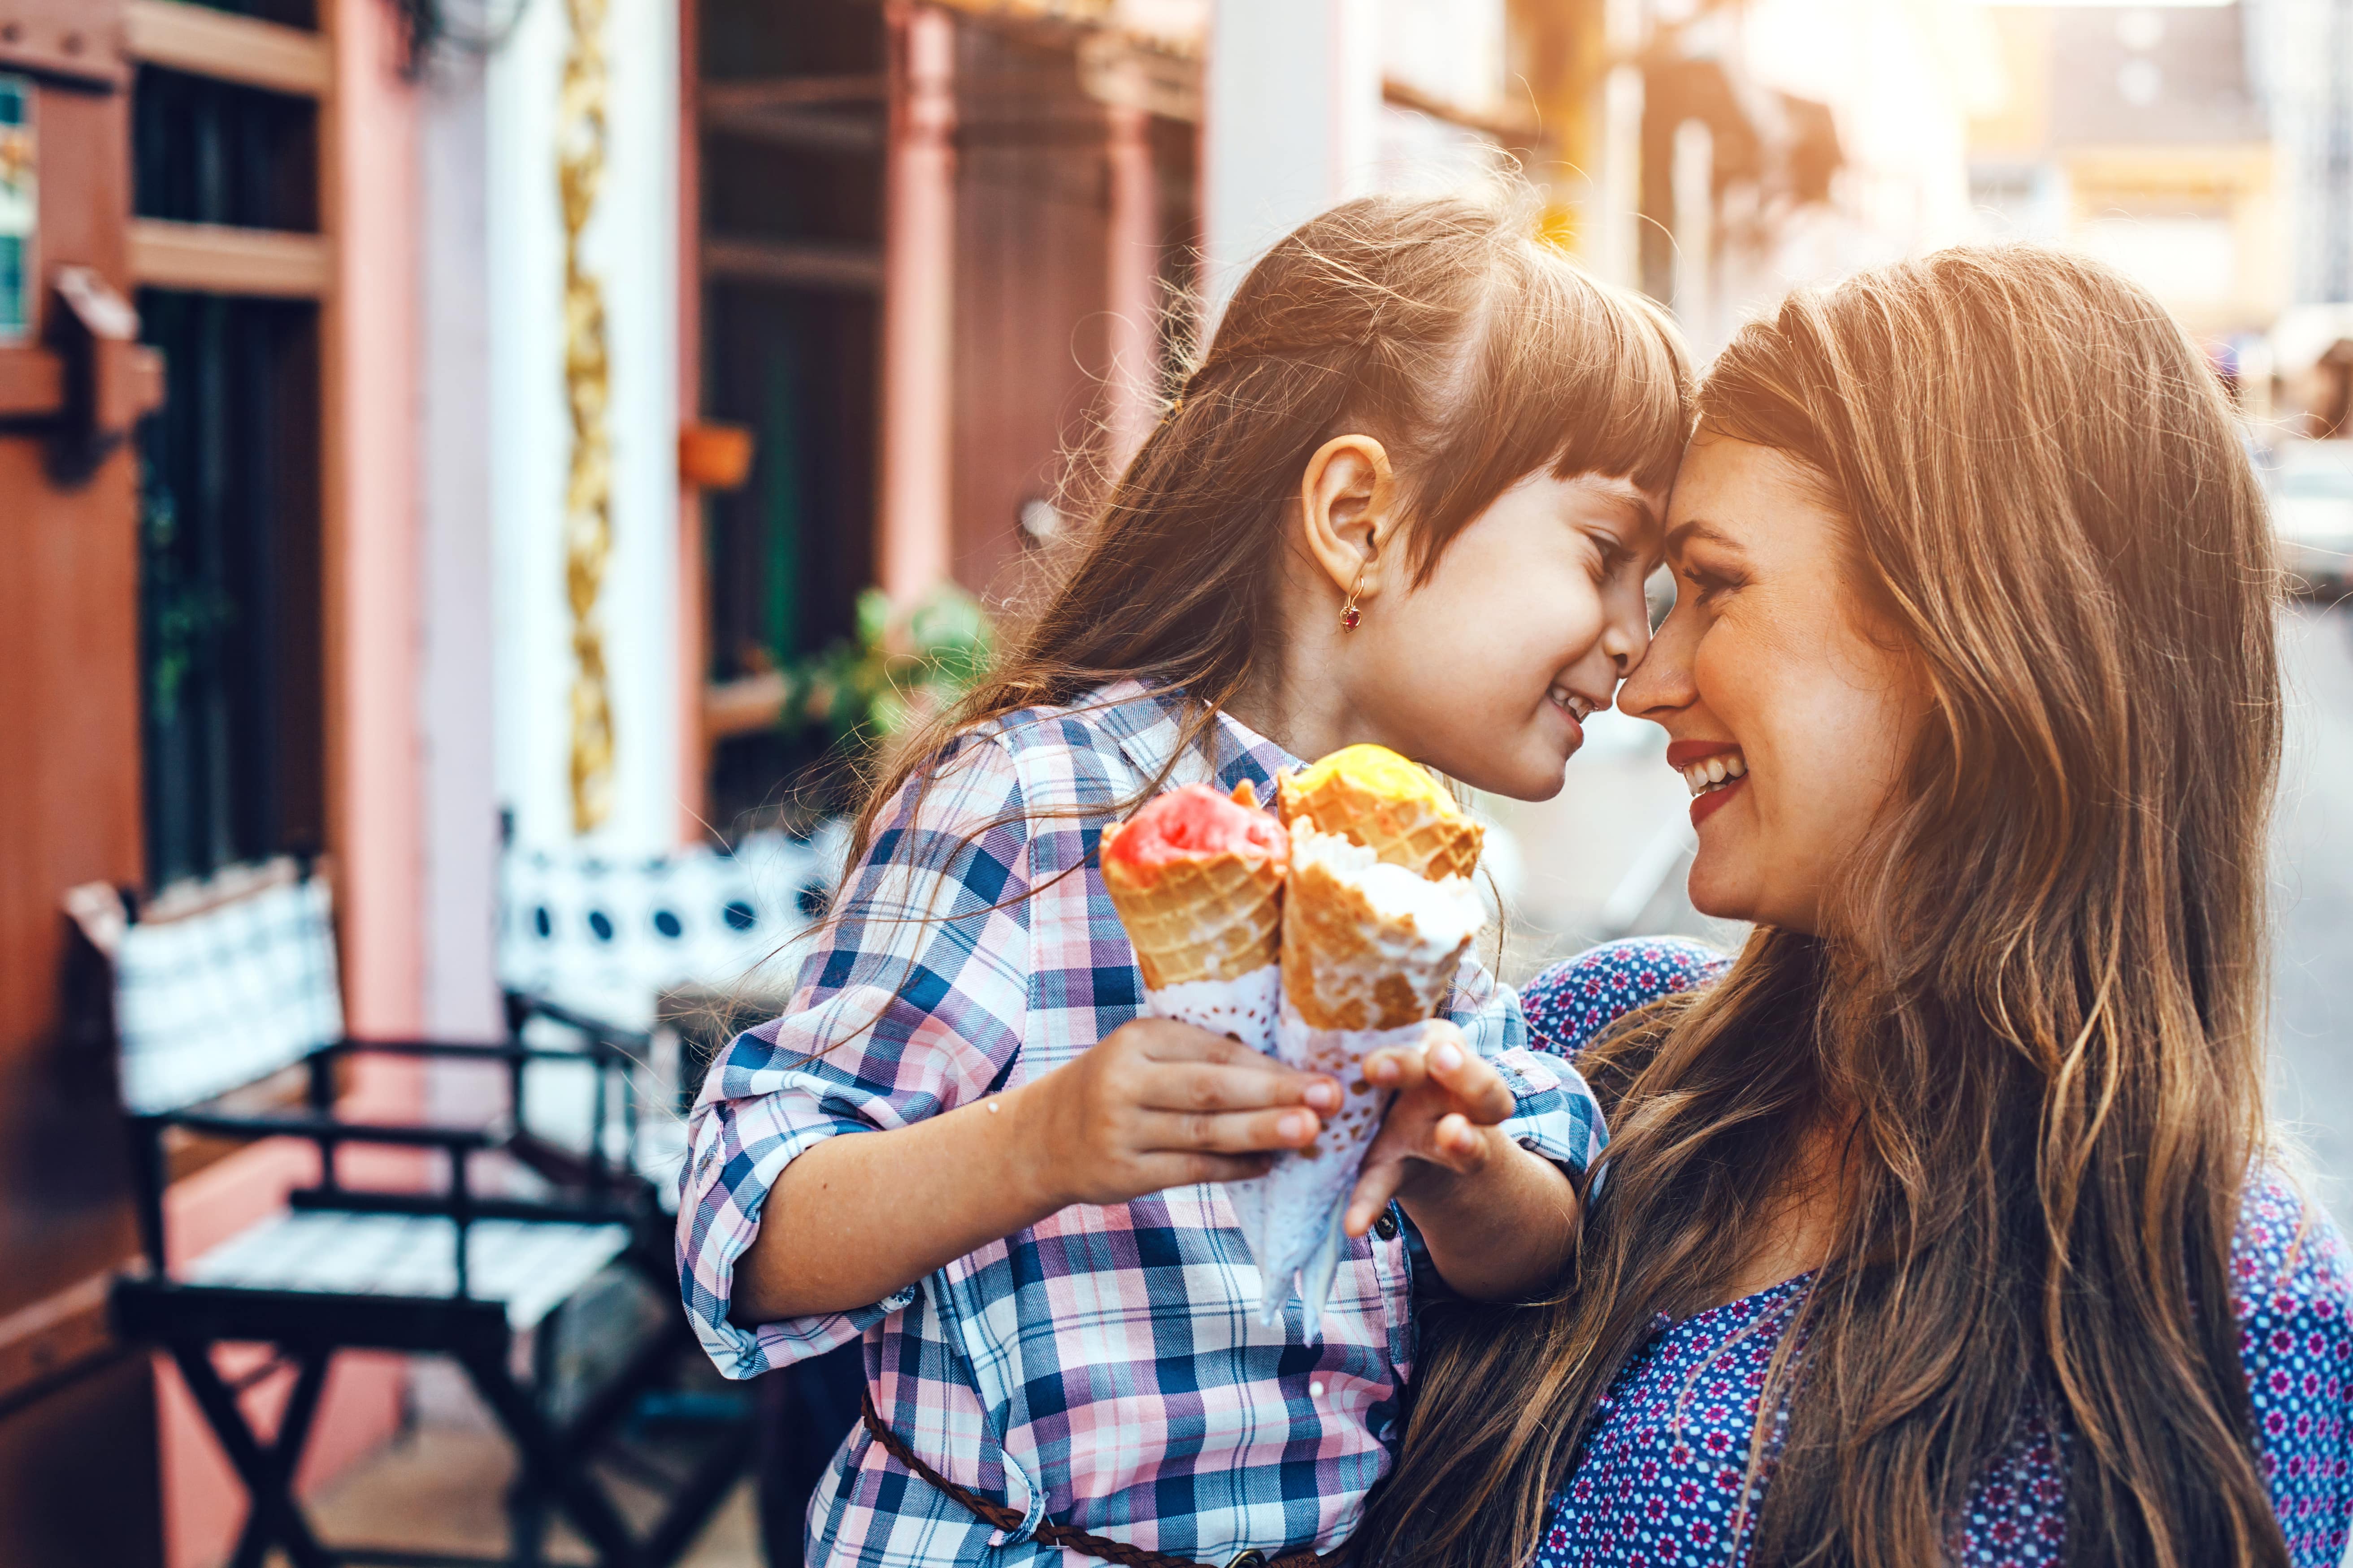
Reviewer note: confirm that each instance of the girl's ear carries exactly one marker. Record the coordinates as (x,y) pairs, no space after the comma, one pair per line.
(1347,513)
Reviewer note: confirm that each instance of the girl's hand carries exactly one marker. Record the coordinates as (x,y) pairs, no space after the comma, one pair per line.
(1157,1104)
(1441,1128)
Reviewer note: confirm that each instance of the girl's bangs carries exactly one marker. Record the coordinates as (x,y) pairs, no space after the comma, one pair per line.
(1570,377)
(1600,385)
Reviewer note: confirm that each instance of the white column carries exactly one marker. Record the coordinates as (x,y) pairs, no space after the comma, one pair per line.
(1617,253)
(631,245)
(456,712)
(1291,124)
(1695,188)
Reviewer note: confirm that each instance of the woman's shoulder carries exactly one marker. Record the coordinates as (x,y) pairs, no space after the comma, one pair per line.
(2293,1292)
(1569,1004)
(2289,1259)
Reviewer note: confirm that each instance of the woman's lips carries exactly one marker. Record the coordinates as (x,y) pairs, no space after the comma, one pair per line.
(1708,802)
(1714,770)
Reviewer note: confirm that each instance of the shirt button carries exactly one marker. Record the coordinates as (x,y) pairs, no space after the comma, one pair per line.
(1385,1227)
(1254,1558)
(1529,1144)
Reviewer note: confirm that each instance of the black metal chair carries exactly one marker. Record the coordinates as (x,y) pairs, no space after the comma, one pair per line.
(245,992)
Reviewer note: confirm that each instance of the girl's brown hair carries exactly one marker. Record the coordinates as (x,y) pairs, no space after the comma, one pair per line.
(1474,351)
(2044,1012)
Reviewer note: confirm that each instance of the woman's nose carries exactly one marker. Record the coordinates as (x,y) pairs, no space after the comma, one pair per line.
(1662,682)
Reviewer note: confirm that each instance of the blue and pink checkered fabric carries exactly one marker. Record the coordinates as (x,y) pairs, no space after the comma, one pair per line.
(1104,1368)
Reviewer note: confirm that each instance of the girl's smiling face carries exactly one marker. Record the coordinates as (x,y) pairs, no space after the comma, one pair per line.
(1528,619)
(1788,709)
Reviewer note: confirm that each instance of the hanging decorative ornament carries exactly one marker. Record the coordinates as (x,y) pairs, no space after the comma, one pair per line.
(588,492)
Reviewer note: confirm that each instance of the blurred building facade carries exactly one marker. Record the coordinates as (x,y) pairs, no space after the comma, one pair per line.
(2137,134)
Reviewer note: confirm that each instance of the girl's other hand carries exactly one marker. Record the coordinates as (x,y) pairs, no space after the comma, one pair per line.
(1441,1126)
(1157,1104)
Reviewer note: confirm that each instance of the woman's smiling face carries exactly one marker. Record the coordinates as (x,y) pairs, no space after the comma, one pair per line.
(1786,709)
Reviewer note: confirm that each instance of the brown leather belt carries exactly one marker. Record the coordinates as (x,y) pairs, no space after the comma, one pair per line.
(1053,1534)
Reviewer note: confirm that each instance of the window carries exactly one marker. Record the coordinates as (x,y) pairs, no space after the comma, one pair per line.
(225,242)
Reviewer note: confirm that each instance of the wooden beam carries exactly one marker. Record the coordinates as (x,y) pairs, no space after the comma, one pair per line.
(1509,126)
(809,130)
(204,41)
(795,264)
(54,1335)
(738,707)
(32,383)
(214,258)
(793,92)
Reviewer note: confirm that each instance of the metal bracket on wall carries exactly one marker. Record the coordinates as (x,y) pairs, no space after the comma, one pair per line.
(91,385)
(72,43)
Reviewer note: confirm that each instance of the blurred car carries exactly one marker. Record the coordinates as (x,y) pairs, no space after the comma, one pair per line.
(2311,484)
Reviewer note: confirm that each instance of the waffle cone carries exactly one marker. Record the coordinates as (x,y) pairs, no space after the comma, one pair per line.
(1345,967)
(1410,832)
(1216,918)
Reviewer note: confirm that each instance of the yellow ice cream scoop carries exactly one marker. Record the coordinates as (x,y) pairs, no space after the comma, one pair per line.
(1397,809)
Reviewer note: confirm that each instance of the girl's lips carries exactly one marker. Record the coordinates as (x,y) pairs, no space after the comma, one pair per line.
(1567,709)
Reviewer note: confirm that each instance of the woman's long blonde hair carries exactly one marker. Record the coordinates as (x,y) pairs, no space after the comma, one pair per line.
(2045,1009)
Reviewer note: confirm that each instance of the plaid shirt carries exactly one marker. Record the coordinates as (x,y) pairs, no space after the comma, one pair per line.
(1105,1367)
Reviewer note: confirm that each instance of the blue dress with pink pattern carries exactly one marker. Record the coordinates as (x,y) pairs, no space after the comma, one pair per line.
(1659,1481)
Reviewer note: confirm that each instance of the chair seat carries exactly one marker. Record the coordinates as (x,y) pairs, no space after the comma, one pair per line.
(529,1266)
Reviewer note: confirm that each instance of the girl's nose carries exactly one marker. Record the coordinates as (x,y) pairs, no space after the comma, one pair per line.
(1626,636)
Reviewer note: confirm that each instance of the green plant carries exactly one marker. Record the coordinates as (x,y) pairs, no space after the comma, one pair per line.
(904,665)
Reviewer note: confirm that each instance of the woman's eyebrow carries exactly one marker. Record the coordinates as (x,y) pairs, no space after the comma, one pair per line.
(1681,535)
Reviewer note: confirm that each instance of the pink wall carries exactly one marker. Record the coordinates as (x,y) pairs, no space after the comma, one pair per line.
(373,764)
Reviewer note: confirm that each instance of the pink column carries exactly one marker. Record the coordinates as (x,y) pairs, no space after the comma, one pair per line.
(375,619)
(375,781)
(1132,267)
(911,535)
(694,588)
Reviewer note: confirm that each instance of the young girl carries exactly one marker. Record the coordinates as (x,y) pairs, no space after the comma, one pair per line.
(1410,497)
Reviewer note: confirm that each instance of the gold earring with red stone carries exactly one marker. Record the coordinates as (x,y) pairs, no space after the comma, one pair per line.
(1350,616)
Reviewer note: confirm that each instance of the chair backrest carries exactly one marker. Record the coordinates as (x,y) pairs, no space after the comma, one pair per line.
(609,936)
(238,988)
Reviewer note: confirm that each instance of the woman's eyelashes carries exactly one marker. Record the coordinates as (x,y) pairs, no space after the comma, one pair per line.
(1708,586)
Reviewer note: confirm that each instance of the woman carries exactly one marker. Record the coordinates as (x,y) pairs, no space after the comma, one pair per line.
(1942,1227)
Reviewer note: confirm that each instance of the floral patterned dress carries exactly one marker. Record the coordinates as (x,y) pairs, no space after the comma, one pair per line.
(1660,1480)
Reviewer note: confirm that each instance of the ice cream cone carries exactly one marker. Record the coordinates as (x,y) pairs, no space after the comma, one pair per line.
(1352,959)
(1372,796)
(1214,916)
(1370,950)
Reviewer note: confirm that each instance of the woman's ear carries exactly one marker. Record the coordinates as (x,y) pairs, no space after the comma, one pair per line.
(1347,513)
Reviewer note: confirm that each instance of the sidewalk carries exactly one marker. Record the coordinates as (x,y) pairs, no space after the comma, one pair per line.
(440,1487)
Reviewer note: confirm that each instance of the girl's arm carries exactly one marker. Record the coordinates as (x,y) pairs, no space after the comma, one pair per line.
(1499,1220)
(1154,1104)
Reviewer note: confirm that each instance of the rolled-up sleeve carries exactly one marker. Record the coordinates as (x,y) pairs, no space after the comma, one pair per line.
(913,1002)
(1553,1113)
